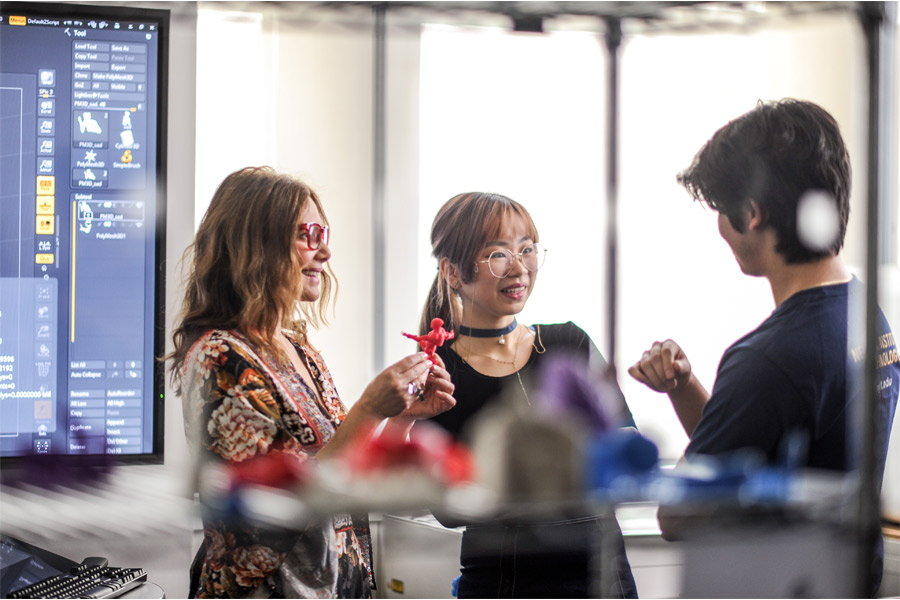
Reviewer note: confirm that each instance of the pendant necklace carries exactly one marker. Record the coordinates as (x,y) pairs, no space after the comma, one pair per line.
(516,370)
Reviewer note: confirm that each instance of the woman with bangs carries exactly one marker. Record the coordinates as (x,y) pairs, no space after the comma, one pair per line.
(488,254)
(252,385)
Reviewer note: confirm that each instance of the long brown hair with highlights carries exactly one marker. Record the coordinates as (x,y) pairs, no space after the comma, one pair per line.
(244,273)
(461,228)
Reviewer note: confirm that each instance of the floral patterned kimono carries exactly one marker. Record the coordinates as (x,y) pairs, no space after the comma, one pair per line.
(239,403)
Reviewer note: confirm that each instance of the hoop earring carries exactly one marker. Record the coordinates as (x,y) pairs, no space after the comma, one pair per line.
(476,269)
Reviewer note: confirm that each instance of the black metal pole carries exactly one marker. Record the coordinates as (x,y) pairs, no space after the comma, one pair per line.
(378,186)
(868,505)
(605,565)
(613,41)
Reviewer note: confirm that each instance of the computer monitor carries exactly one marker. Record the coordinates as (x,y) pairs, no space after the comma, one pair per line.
(83,92)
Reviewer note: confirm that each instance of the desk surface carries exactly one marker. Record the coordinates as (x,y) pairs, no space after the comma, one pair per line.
(145,590)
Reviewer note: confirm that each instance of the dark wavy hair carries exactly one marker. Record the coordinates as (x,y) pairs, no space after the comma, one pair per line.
(243,269)
(773,155)
(461,228)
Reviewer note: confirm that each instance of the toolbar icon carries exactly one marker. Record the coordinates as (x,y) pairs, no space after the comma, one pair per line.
(46,185)
(45,224)
(47,107)
(45,205)
(88,124)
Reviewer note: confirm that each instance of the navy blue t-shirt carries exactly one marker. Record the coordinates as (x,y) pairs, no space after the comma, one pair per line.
(791,374)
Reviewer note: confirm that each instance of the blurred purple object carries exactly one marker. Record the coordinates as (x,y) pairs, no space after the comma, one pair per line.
(51,470)
(568,387)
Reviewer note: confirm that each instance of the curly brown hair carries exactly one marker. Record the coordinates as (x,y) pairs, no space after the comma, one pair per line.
(243,271)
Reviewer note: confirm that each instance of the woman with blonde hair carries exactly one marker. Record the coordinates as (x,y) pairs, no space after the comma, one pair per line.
(252,384)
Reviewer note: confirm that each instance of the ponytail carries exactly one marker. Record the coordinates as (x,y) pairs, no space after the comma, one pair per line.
(441,303)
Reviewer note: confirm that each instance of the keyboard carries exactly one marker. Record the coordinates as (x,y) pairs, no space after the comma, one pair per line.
(91,579)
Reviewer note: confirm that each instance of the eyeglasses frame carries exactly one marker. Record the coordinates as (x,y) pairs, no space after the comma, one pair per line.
(323,238)
(516,255)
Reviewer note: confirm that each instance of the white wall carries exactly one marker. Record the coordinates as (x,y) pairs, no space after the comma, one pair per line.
(180,197)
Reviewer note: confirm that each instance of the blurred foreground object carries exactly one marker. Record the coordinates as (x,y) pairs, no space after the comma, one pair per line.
(386,472)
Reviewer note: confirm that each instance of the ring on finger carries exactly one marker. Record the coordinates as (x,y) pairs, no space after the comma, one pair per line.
(414,389)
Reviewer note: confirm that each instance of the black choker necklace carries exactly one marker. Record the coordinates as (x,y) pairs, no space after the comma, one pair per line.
(488,333)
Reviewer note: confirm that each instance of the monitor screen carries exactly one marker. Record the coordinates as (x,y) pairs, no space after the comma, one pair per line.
(82,220)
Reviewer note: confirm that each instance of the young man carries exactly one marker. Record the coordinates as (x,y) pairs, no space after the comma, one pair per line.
(796,375)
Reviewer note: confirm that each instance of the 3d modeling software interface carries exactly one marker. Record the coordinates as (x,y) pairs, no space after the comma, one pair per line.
(79,112)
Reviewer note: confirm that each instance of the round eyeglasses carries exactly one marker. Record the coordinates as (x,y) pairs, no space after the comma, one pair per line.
(500,262)
(313,234)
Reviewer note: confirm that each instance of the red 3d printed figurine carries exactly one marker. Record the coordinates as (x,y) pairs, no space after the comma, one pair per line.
(433,339)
